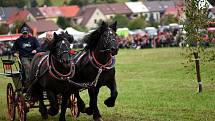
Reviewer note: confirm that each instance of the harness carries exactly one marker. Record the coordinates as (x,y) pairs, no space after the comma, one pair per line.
(94,62)
(68,77)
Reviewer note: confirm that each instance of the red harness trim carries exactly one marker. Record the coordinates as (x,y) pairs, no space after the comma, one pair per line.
(62,76)
(98,65)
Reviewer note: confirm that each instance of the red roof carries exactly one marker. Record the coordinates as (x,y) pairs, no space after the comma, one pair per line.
(49,12)
(69,11)
(171,10)
(9,37)
(18,16)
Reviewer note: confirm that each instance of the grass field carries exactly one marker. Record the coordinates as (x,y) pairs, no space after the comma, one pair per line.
(153,86)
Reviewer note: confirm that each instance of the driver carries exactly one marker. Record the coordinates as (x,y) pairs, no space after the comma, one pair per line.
(25,47)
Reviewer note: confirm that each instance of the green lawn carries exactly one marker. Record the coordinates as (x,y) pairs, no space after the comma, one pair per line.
(152,85)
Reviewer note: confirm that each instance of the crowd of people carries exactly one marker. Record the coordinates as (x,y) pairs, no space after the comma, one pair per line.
(160,39)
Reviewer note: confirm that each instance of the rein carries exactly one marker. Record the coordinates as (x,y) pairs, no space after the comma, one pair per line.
(51,67)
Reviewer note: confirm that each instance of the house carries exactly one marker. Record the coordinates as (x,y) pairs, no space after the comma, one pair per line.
(138,9)
(51,13)
(155,10)
(36,13)
(111,10)
(22,15)
(5,12)
(41,26)
(90,17)
(69,11)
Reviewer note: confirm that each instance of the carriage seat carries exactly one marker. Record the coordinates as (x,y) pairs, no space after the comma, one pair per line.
(8,66)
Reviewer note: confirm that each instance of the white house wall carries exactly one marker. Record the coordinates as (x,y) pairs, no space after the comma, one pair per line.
(96,16)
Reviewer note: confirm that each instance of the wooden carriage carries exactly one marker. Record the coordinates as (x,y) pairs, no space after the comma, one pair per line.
(17,98)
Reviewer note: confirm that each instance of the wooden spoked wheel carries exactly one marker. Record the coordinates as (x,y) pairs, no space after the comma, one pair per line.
(22,108)
(11,102)
(74,106)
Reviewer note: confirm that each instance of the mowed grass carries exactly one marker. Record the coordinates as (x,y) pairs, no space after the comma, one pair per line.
(152,85)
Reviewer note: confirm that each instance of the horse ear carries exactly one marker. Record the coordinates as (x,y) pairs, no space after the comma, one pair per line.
(103,26)
(71,39)
(114,26)
(55,35)
(66,32)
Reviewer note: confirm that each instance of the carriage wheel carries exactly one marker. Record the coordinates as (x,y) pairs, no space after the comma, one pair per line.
(74,106)
(11,102)
(22,108)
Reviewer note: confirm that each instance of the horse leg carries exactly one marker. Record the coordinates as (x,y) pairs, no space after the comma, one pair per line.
(42,107)
(110,102)
(93,109)
(54,106)
(80,102)
(64,103)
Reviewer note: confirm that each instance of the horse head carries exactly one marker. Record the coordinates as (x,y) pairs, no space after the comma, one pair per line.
(60,47)
(104,39)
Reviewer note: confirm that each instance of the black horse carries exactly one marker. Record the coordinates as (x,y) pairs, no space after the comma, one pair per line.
(50,72)
(96,66)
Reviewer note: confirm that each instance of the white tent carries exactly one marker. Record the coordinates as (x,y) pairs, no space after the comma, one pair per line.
(76,34)
(44,34)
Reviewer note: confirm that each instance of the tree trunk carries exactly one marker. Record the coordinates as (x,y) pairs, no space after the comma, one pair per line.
(196,56)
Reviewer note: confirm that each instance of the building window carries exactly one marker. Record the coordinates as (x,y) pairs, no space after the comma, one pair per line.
(95,21)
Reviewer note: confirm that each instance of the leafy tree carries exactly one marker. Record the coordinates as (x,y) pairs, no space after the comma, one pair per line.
(122,21)
(63,22)
(4,29)
(7,3)
(167,19)
(34,3)
(137,23)
(47,2)
(195,25)
(16,26)
(79,2)
(80,28)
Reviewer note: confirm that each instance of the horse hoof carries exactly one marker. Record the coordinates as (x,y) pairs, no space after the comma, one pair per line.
(98,119)
(109,102)
(62,119)
(53,111)
(44,114)
(89,111)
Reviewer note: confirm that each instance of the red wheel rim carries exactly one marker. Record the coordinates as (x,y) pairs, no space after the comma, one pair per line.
(21,108)
(10,102)
(74,106)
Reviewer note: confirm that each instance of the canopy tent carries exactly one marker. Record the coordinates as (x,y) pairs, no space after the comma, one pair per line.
(123,32)
(76,34)
(44,34)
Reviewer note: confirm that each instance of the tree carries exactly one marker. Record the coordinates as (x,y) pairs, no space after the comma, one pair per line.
(195,25)
(18,3)
(47,3)
(167,19)
(4,29)
(63,22)
(122,21)
(138,23)
(16,26)
(34,3)
(79,2)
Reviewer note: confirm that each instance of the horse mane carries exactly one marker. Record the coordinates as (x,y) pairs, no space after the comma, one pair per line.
(92,39)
